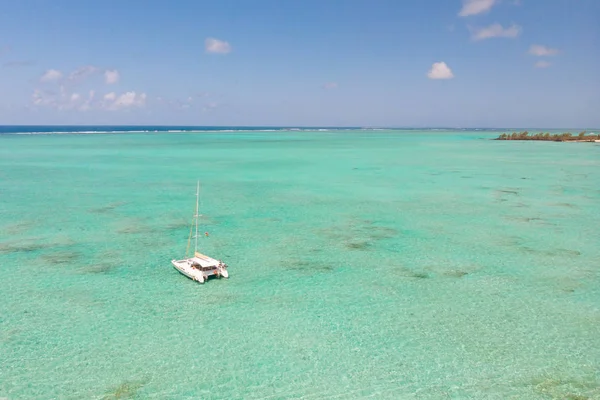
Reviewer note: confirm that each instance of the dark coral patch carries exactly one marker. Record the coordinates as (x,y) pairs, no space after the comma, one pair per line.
(107,208)
(62,257)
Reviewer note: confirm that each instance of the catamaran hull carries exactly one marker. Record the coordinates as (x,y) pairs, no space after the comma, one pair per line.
(201,276)
(197,276)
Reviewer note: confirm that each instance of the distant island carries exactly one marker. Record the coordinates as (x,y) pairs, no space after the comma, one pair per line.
(557,137)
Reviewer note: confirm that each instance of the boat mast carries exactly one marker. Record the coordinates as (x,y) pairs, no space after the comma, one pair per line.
(196,216)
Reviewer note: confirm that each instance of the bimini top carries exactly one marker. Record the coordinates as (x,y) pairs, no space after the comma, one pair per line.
(205,261)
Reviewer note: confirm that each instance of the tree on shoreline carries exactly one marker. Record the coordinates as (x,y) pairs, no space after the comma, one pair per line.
(557,137)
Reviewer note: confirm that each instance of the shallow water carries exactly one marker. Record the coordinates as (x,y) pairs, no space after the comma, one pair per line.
(384,264)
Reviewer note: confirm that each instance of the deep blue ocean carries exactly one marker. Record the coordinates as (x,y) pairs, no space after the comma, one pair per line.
(46,129)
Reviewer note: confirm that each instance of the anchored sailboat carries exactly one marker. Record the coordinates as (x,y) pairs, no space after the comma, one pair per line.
(199,267)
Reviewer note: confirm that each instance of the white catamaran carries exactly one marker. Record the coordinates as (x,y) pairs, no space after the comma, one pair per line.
(199,267)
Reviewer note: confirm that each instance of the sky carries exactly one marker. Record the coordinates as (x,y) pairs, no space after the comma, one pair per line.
(369,63)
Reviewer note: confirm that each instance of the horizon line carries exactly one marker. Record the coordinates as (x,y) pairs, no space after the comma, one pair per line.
(289,126)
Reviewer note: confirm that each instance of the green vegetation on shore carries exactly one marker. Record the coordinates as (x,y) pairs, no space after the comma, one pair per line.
(557,137)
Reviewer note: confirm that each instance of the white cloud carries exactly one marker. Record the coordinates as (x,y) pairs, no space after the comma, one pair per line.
(76,77)
(540,51)
(125,100)
(217,46)
(542,64)
(330,85)
(180,104)
(64,100)
(440,70)
(57,100)
(210,106)
(495,31)
(474,7)
(51,75)
(111,76)
(43,98)
(82,73)
(131,99)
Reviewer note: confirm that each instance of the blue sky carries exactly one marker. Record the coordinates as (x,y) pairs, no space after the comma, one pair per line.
(453,63)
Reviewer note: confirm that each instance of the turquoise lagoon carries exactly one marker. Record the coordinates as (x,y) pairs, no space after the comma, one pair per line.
(364,264)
